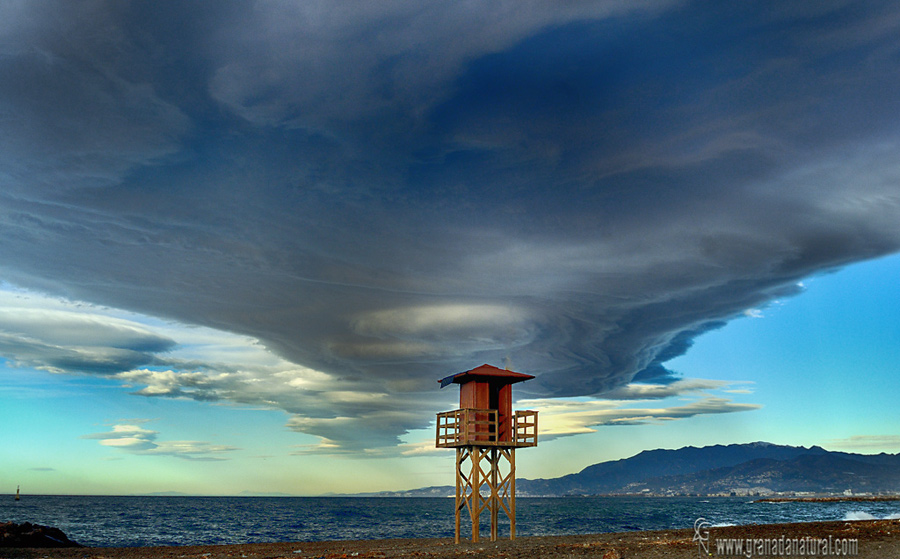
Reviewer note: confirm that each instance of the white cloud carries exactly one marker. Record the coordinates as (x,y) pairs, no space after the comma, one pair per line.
(421,448)
(60,336)
(576,418)
(134,439)
(447,329)
(647,391)
(560,417)
(437,321)
(370,434)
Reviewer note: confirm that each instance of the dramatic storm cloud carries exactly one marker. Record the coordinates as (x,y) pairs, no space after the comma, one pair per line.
(386,193)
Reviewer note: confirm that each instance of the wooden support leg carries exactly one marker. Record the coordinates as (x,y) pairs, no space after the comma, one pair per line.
(512,493)
(495,497)
(460,488)
(475,510)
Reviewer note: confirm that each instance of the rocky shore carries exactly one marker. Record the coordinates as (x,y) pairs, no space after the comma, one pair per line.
(33,535)
(875,539)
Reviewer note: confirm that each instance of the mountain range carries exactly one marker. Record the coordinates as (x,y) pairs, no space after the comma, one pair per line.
(758,468)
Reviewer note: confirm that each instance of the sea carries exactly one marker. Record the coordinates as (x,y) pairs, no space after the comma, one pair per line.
(127,521)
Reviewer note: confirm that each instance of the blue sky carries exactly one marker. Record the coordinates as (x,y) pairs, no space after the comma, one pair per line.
(241,241)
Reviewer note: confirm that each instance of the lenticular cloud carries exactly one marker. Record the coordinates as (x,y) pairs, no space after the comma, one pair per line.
(383,196)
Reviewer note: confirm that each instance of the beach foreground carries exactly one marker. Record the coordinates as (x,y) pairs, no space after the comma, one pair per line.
(876,539)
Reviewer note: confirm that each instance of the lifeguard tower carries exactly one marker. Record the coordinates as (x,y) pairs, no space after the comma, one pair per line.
(485,433)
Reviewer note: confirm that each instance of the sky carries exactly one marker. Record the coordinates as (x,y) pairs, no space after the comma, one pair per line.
(241,241)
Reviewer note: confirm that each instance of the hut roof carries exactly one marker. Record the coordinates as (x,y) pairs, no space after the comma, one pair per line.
(485,372)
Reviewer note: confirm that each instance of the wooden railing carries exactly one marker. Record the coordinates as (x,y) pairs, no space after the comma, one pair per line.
(479,427)
(525,428)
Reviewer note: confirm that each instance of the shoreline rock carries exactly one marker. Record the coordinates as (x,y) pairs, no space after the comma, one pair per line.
(33,535)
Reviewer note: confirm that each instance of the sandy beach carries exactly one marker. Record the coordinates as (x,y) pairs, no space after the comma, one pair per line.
(875,539)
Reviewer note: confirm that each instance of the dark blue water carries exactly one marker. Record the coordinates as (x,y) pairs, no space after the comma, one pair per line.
(142,521)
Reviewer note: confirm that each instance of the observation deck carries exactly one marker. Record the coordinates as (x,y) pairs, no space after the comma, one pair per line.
(482,427)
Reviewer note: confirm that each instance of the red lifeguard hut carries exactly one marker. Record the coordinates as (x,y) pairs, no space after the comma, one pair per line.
(485,429)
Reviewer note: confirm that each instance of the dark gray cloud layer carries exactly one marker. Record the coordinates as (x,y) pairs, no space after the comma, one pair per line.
(388,192)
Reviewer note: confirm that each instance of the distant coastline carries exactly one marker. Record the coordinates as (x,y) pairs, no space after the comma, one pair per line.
(835,499)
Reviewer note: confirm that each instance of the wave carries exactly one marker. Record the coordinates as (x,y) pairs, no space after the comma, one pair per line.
(858,515)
